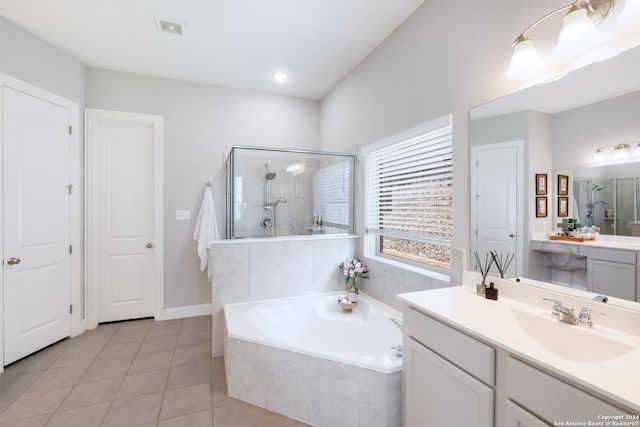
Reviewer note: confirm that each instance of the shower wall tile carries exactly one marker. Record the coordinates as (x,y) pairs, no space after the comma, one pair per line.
(229,261)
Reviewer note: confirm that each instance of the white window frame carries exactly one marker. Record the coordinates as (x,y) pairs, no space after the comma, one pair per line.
(371,240)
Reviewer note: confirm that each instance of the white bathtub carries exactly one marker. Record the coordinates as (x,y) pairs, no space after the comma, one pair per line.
(305,358)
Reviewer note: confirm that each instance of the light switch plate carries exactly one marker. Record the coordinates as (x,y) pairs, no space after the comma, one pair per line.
(183,215)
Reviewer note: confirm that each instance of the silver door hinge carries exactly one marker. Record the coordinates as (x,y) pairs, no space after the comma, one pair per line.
(70,308)
(476,163)
(69,187)
(70,250)
(70,131)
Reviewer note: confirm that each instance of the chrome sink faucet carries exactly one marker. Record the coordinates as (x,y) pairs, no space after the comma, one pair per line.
(584,319)
(564,314)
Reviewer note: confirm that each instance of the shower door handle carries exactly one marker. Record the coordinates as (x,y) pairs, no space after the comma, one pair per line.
(149,245)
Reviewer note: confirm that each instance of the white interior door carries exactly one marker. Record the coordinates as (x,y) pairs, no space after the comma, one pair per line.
(496,204)
(36,228)
(125,213)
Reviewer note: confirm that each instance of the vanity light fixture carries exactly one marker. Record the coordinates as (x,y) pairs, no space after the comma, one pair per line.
(616,153)
(581,19)
(598,157)
(620,150)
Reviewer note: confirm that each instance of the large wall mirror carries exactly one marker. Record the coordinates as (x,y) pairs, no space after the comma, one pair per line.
(529,145)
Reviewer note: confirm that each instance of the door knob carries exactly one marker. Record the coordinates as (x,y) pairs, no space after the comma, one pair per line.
(149,245)
(512,235)
(12,261)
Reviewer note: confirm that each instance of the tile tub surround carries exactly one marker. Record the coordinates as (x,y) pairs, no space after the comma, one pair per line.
(312,390)
(256,269)
(304,358)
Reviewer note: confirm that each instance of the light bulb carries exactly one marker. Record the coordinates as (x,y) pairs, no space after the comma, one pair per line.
(280,76)
(631,12)
(525,60)
(577,25)
(599,156)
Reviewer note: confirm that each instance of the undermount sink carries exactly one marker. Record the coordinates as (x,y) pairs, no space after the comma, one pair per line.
(571,342)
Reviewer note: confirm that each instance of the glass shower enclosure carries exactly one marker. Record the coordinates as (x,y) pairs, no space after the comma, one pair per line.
(278,192)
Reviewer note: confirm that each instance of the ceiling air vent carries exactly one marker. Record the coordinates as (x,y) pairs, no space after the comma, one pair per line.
(169,26)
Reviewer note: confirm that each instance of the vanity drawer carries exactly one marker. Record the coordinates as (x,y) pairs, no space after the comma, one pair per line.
(551,399)
(468,354)
(615,255)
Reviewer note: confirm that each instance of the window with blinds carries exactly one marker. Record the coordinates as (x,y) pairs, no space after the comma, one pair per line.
(409,194)
(331,195)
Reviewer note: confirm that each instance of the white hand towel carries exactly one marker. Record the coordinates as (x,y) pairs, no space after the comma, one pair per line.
(206,231)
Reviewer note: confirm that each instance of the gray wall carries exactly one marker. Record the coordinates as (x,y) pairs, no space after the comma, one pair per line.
(30,59)
(578,132)
(446,58)
(201,122)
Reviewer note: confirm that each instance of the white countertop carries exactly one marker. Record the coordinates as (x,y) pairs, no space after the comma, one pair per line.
(602,241)
(617,379)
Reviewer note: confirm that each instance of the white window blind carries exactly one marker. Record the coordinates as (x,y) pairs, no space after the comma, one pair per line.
(409,187)
(331,190)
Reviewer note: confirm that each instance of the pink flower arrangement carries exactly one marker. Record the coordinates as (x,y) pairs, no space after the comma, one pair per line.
(352,269)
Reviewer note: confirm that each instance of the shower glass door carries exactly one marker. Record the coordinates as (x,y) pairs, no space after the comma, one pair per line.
(273,192)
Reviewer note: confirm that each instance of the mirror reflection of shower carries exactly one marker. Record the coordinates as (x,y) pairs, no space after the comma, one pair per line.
(592,204)
(269,221)
(613,204)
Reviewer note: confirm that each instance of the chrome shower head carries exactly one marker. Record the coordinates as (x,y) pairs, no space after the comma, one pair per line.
(596,187)
(268,175)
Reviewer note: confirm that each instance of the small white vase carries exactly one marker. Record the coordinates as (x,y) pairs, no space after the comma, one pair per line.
(353,297)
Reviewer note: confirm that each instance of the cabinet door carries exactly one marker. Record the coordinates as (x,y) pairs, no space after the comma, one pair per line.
(612,279)
(518,417)
(436,393)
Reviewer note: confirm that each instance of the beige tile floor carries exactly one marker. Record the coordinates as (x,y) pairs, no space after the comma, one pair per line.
(137,373)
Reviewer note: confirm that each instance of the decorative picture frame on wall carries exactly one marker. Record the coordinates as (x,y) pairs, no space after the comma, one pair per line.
(563,185)
(563,207)
(541,207)
(541,184)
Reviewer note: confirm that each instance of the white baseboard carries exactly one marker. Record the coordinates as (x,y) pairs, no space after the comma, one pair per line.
(187,311)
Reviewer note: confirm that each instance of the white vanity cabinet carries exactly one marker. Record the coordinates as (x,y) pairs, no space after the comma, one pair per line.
(449,379)
(551,399)
(437,393)
(447,376)
(612,272)
(517,416)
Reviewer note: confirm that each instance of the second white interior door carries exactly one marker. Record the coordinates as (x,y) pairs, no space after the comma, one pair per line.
(496,177)
(125,213)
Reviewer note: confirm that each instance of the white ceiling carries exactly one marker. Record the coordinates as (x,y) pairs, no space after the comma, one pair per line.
(234,43)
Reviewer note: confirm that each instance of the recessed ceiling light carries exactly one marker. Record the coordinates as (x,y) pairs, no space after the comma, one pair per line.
(280,76)
(170,27)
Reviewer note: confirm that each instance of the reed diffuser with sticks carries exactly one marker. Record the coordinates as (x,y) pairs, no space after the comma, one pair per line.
(484,270)
(502,263)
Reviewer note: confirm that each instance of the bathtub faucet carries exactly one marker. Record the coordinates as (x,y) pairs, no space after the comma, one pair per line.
(396,322)
(399,324)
